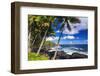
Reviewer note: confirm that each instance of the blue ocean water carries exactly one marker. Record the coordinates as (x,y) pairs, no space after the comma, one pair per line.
(80,48)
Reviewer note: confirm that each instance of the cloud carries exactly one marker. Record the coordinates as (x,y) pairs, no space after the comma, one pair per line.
(52,38)
(83,25)
(68,37)
(49,39)
(76,27)
(73,31)
(58,31)
(56,38)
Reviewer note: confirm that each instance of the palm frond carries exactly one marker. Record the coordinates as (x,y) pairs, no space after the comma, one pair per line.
(74,19)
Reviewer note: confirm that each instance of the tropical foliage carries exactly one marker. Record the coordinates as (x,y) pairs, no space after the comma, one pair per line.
(41,27)
(33,56)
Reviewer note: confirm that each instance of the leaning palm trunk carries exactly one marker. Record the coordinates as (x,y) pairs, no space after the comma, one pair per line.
(34,39)
(42,42)
(55,54)
(69,28)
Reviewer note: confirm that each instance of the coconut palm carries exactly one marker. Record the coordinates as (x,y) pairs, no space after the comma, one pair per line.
(34,29)
(47,21)
(64,21)
(30,26)
(39,28)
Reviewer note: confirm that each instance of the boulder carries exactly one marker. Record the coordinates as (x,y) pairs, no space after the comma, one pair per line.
(60,55)
(78,55)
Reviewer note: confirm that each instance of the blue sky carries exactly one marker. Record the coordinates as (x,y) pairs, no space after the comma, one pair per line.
(78,34)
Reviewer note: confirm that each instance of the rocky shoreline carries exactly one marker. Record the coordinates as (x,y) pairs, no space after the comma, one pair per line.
(63,55)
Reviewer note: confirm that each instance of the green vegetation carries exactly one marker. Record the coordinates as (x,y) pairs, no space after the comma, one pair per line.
(41,27)
(33,56)
(49,44)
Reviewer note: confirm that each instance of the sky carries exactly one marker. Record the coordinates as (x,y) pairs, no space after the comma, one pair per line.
(78,34)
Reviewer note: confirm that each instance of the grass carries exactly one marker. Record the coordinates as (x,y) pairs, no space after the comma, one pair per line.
(33,56)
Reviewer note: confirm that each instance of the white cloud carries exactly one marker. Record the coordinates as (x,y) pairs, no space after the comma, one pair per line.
(68,37)
(52,38)
(49,39)
(73,31)
(83,25)
(76,27)
(58,31)
(56,38)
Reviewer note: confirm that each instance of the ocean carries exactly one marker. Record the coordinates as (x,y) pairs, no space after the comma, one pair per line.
(79,48)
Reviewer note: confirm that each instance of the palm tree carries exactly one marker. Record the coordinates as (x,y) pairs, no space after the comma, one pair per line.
(48,20)
(30,22)
(34,29)
(39,27)
(64,21)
